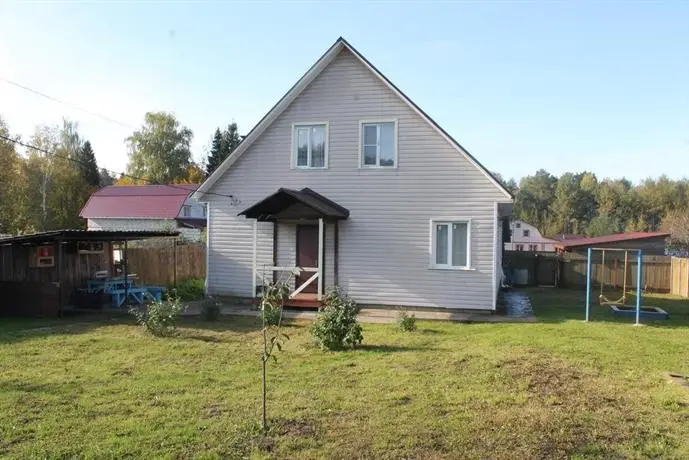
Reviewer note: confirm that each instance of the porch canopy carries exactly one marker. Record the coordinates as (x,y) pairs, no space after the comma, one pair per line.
(286,204)
(299,205)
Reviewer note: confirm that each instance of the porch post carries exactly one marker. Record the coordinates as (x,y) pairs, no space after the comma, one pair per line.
(253,261)
(320,257)
(336,252)
(125,264)
(275,250)
(59,276)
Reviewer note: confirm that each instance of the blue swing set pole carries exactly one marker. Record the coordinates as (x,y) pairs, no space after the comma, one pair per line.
(588,284)
(638,285)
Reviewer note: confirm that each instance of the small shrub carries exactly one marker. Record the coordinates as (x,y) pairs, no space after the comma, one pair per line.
(406,322)
(159,318)
(272,300)
(336,326)
(210,310)
(191,289)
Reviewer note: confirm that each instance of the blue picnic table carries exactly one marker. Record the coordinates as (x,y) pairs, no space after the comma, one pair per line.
(107,285)
(138,294)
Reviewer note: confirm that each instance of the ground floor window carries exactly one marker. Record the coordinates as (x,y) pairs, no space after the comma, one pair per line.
(450,244)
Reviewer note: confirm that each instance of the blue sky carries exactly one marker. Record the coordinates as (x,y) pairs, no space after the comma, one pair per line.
(564,86)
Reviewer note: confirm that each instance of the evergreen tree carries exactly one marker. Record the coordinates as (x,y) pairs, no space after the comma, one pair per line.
(223,144)
(105,178)
(215,155)
(88,165)
(230,139)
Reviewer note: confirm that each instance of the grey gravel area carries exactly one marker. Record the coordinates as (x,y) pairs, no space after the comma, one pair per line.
(517,304)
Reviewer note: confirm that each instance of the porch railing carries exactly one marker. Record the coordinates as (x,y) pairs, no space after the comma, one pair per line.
(296,271)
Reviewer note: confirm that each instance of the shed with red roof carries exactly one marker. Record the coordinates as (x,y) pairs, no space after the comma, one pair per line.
(652,243)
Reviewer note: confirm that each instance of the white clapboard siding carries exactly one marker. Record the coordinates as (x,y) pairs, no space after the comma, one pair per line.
(384,245)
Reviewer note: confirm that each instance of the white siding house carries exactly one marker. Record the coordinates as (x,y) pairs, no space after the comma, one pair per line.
(409,218)
(526,237)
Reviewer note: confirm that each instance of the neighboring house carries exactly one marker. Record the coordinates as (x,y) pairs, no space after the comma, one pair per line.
(349,180)
(526,237)
(651,243)
(146,207)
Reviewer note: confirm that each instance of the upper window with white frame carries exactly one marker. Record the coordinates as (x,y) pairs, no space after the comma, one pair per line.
(379,144)
(451,245)
(310,146)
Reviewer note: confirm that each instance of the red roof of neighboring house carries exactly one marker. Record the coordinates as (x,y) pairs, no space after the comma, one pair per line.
(614,238)
(137,201)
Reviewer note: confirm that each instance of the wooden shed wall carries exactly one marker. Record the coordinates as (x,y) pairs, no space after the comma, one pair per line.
(76,268)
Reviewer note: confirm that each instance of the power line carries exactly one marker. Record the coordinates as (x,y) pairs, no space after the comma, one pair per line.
(59,101)
(121,174)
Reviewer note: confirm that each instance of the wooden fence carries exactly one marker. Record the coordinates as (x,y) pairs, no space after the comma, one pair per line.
(569,270)
(167,265)
(680,277)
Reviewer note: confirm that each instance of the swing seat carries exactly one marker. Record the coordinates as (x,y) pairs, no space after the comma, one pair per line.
(619,302)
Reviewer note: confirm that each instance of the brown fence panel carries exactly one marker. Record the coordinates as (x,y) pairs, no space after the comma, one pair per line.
(680,277)
(167,265)
(656,271)
(569,270)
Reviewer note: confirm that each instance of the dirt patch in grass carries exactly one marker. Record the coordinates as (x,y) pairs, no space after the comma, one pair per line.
(292,427)
(679,379)
(546,377)
(565,411)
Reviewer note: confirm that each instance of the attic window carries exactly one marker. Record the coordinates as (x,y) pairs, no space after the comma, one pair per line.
(379,144)
(310,145)
(186,211)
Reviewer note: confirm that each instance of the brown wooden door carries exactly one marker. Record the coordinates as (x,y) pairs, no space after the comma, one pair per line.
(307,255)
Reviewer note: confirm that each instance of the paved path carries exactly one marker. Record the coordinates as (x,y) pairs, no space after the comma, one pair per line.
(380,315)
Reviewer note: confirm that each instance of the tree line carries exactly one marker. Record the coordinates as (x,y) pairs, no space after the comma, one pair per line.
(581,203)
(45,188)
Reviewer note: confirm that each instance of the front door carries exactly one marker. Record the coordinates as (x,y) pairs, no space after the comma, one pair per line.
(307,255)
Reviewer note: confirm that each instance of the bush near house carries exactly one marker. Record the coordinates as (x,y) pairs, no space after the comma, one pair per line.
(190,289)
(336,327)
(406,322)
(159,318)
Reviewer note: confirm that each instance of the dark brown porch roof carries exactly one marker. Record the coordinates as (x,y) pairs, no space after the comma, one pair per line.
(295,204)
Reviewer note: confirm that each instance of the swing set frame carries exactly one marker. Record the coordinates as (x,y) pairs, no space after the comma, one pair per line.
(622,300)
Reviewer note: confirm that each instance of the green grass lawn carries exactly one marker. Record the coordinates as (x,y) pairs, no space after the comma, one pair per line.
(552,389)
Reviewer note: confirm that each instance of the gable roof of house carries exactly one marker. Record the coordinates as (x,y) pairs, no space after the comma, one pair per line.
(137,201)
(315,70)
(568,245)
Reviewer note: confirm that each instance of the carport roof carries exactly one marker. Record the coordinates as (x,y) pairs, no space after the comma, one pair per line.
(84,235)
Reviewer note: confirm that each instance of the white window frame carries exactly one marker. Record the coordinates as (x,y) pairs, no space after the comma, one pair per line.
(361,143)
(306,124)
(186,210)
(526,233)
(432,249)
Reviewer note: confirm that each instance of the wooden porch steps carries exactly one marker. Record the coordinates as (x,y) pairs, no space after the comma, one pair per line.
(306,301)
